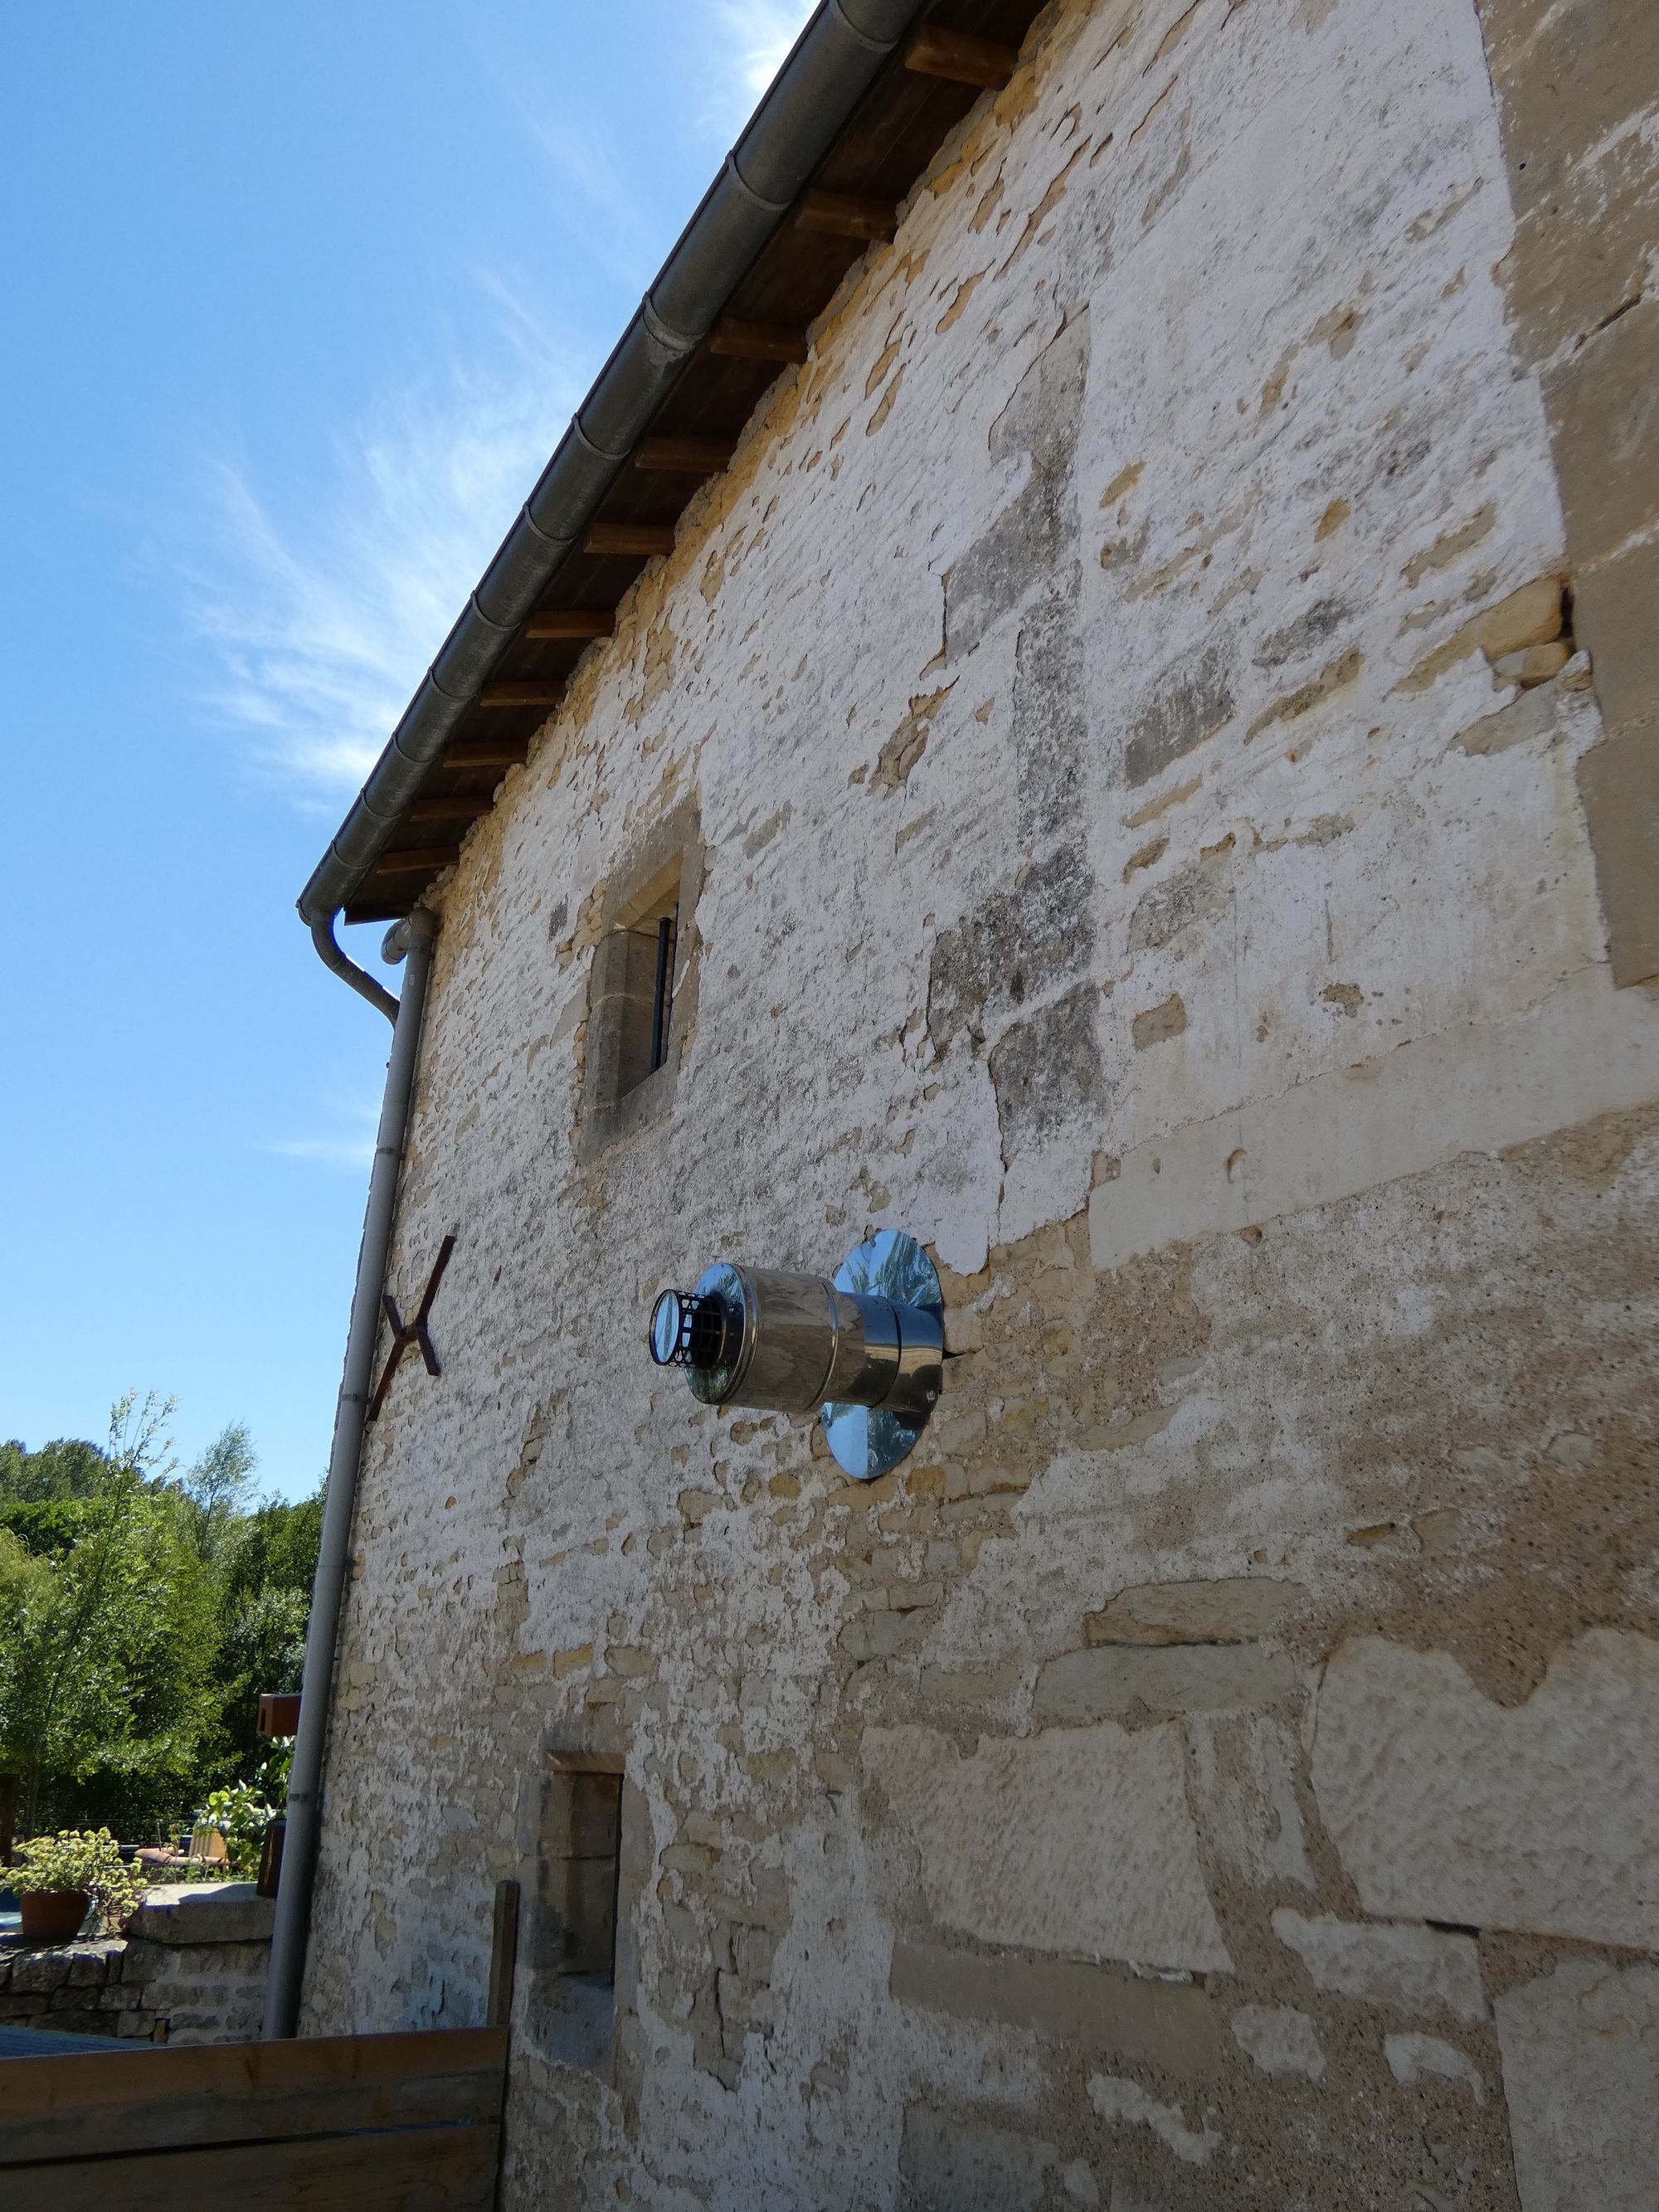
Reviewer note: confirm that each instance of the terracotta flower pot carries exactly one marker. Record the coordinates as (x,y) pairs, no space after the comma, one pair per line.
(53,1916)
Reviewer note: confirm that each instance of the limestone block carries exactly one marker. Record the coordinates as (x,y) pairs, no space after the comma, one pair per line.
(35,1972)
(91,1964)
(1278,2040)
(1413,1968)
(1617,782)
(1412,2056)
(1472,1088)
(141,1962)
(205,1912)
(1080,1685)
(1607,434)
(1446,1806)
(1170,2025)
(1234,1610)
(1581,2072)
(958,2165)
(1077,1841)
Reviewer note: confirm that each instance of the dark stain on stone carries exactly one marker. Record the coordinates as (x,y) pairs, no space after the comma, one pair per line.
(1011,947)
(1189,703)
(1321,621)
(1037,530)
(1198,890)
(1047,1070)
(1048,718)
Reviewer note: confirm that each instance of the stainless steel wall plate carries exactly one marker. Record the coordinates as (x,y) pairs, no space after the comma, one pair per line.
(868,1348)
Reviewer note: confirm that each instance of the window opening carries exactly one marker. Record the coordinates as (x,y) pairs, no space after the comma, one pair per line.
(582,1855)
(662,1010)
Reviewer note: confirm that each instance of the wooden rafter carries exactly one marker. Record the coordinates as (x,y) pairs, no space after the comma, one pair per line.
(647,537)
(687,457)
(570,622)
(485,753)
(521,695)
(431,858)
(843,215)
(743,341)
(465,806)
(962,60)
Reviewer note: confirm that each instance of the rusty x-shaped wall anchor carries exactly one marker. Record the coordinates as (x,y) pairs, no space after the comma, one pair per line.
(404,1333)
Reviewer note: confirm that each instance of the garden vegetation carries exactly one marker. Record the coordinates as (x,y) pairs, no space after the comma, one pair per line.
(142,1610)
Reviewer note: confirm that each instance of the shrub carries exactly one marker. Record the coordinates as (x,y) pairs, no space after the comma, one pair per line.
(241,1815)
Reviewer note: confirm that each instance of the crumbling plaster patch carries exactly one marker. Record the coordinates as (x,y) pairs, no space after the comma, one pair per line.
(1111,1872)
(1447,1806)
(1581,2068)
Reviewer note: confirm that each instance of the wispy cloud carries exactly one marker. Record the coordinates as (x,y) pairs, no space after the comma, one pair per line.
(348,1147)
(315,614)
(317,626)
(753,36)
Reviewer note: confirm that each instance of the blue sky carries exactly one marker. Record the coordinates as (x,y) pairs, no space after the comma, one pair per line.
(297,303)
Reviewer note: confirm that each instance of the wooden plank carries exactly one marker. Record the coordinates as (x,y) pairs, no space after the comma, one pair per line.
(431,858)
(570,622)
(486,752)
(503,1954)
(962,60)
(689,457)
(465,806)
(520,695)
(757,341)
(844,215)
(157,2096)
(647,537)
(417,2170)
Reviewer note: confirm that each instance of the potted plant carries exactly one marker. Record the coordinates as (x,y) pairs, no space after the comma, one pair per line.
(60,1879)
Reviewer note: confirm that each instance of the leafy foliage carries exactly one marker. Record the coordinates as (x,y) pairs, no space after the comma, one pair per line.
(85,1859)
(241,1814)
(142,1613)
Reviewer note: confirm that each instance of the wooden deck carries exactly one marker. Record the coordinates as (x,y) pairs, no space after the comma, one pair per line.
(360,2122)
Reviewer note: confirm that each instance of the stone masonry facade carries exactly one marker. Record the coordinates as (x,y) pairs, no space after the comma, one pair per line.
(1157,731)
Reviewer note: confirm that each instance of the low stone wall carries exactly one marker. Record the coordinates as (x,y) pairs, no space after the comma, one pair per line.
(190,1969)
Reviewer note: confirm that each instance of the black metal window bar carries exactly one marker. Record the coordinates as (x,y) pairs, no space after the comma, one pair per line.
(662,1010)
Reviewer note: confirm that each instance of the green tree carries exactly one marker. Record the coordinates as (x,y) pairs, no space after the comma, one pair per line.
(66,1469)
(142,1613)
(106,1671)
(267,1604)
(217,1489)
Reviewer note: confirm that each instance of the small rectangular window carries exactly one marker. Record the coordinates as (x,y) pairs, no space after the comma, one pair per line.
(643,986)
(582,1859)
(642,1012)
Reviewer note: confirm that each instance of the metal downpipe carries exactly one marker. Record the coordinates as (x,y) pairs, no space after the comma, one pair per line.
(335,957)
(287,1942)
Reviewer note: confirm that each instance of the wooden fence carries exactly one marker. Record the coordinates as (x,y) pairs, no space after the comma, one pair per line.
(335,2124)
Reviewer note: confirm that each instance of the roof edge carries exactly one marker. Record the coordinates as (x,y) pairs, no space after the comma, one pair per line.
(831,65)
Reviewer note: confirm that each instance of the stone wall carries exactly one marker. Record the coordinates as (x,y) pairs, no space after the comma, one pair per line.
(1129,704)
(191,1969)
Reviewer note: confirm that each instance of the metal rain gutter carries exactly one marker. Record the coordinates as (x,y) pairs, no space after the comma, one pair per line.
(829,68)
